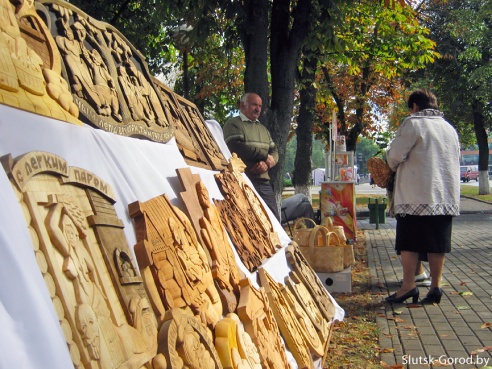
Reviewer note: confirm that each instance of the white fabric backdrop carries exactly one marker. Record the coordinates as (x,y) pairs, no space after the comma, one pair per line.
(138,170)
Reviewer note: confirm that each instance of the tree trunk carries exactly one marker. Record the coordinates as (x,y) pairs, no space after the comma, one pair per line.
(483,149)
(287,39)
(254,35)
(305,122)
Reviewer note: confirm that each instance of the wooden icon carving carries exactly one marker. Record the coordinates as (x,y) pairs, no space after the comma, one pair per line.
(199,130)
(194,139)
(246,220)
(30,69)
(184,343)
(107,77)
(309,278)
(206,219)
(169,251)
(80,248)
(259,322)
(287,321)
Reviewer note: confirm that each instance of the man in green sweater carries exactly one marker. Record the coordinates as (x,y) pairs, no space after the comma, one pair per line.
(251,141)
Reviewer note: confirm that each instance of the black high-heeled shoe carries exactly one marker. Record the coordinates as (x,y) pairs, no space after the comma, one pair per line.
(433,296)
(414,294)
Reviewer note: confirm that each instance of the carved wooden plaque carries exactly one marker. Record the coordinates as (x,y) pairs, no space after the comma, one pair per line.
(168,249)
(195,141)
(304,298)
(205,218)
(184,343)
(307,275)
(287,321)
(246,220)
(107,77)
(234,345)
(259,322)
(30,67)
(82,253)
(199,130)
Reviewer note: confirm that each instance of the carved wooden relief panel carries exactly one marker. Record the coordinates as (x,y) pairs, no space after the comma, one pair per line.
(246,221)
(82,253)
(304,298)
(287,321)
(107,77)
(198,129)
(195,141)
(205,218)
(234,345)
(168,249)
(259,322)
(184,343)
(307,275)
(30,68)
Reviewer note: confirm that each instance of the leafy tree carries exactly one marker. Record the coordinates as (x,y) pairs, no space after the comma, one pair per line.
(364,81)
(463,30)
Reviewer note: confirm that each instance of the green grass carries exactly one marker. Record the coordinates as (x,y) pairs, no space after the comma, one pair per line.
(472,191)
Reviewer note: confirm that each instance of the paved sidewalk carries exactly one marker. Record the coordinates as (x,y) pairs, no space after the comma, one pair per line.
(455,333)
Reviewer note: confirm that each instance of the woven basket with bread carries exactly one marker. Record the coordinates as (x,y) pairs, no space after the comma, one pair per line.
(380,171)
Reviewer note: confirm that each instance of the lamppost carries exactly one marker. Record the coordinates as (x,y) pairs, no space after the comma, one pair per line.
(181,35)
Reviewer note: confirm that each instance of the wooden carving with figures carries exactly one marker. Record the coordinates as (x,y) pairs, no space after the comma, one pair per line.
(185,343)
(30,64)
(259,322)
(307,275)
(82,253)
(234,345)
(106,77)
(304,298)
(206,220)
(168,251)
(194,139)
(246,220)
(287,321)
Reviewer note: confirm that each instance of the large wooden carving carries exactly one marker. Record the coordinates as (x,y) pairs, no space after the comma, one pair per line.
(184,343)
(259,322)
(168,251)
(199,130)
(207,223)
(246,220)
(30,69)
(194,139)
(82,253)
(297,341)
(107,77)
(304,299)
(306,274)
(234,345)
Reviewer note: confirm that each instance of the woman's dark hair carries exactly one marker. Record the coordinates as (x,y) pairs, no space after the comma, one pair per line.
(423,98)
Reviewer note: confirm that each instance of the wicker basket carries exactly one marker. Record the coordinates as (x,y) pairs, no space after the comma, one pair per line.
(348,252)
(320,247)
(380,171)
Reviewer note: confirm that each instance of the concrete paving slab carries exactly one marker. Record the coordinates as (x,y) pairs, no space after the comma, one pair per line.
(453,333)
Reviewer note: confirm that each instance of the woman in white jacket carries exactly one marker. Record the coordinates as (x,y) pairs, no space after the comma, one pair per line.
(425,156)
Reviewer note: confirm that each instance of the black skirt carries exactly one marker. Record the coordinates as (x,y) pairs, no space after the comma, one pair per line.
(423,234)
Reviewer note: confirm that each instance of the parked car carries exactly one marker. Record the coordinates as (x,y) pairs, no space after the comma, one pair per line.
(468,173)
